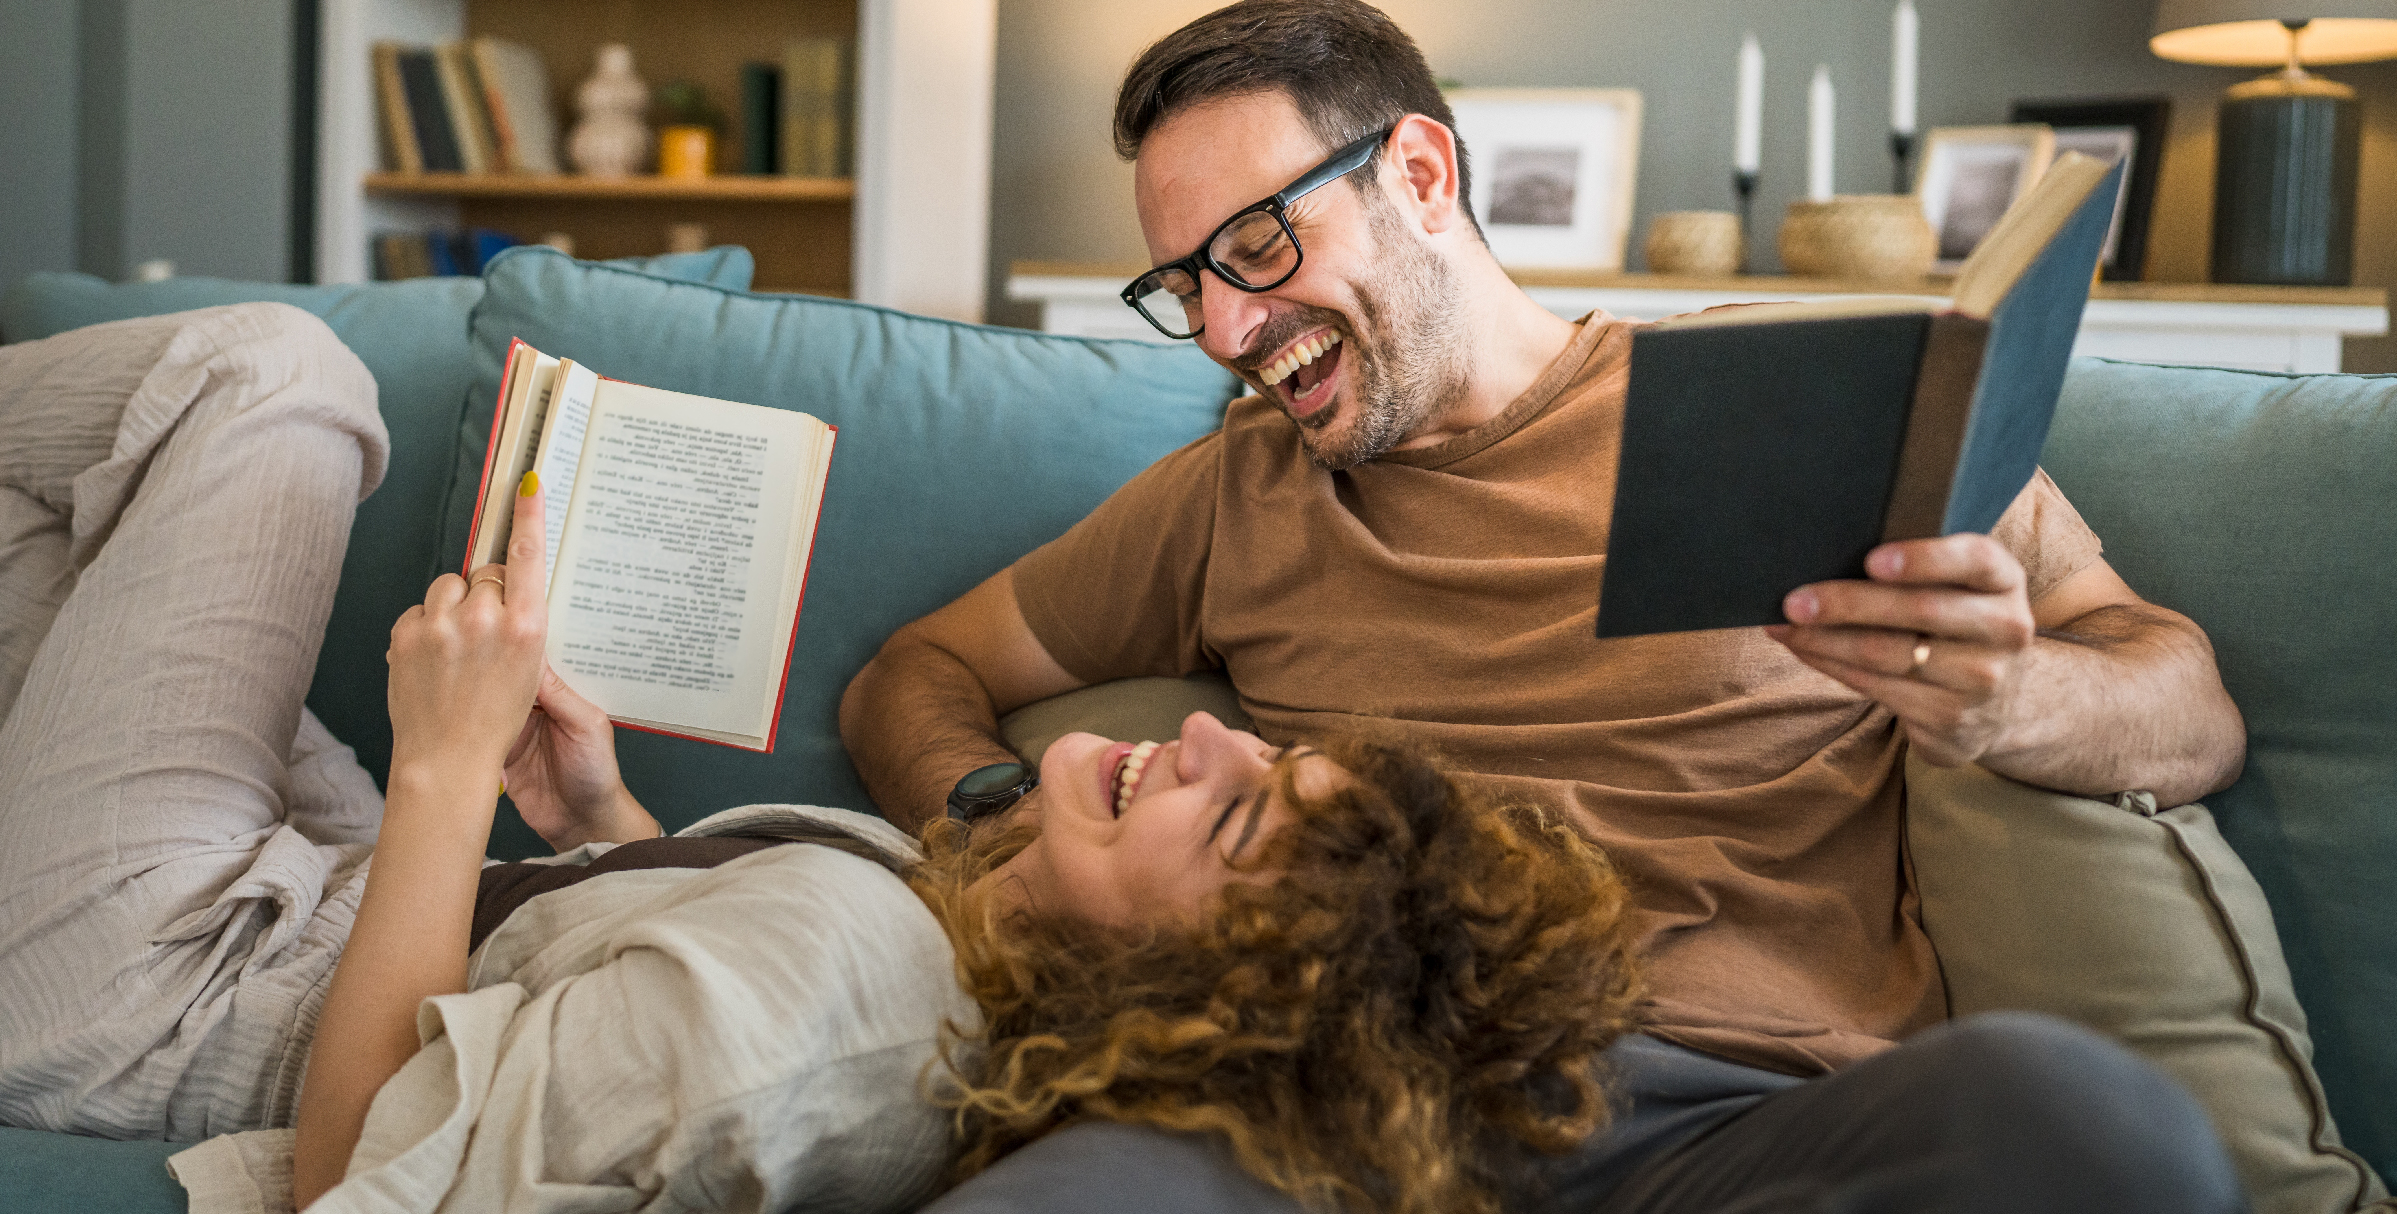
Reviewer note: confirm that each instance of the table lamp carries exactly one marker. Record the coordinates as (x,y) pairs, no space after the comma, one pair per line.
(2285,165)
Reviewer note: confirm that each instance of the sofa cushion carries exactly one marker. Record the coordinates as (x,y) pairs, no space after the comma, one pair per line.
(1127,710)
(412,337)
(961,448)
(2264,506)
(2145,927)
(45,1173)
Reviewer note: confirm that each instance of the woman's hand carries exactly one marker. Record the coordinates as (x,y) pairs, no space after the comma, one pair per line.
(562,773)
(467,662)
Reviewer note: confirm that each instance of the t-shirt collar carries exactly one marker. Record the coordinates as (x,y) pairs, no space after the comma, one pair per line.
(1560,373)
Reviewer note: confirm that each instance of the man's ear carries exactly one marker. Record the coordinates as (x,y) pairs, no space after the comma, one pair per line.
(1425,153)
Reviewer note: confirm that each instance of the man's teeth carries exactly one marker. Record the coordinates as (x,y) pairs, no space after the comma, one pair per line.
(1127,777)
(1300,355)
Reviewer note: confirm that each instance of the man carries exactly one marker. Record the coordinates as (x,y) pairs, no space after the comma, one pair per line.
(1406,526)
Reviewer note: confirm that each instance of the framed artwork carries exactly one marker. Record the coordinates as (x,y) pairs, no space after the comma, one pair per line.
(1970,175)
(2112,129)
(1553,172)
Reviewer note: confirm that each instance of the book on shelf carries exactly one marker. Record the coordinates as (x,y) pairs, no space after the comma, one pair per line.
(679,531)
(462,100)
(1772,445)
(516,96)
(438,252)
(818,107)
(761,118)
(391,103)
(465,107)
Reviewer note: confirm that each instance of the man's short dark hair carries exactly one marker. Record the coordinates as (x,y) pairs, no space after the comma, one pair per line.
(1348,69)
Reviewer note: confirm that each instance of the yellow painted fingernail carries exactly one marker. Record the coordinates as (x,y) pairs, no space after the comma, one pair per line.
(503,786)
(530,485)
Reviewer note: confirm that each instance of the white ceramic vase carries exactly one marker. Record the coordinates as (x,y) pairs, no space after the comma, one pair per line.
(609,139)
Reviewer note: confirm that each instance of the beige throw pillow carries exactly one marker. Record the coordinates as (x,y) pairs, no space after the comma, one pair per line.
(2144,926)
(1127,710)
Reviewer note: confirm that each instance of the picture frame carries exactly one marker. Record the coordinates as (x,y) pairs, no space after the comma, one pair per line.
(1553,173)
(2112,128)
(1970,175)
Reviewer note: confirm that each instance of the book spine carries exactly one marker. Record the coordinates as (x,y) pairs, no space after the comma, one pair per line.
(426,112)
(761,117)
(463,108)
(506,158)
(391,97)
(774,727)
(507,373)
(1935,423)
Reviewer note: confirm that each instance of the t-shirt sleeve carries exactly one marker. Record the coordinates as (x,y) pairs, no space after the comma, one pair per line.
(2046,534)
(1120,593)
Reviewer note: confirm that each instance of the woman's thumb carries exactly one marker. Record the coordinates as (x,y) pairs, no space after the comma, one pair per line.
(565,704)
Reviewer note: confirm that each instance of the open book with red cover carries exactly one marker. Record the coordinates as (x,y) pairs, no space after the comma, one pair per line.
(679,534)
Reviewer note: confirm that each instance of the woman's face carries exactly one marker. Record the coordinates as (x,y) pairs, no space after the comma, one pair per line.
(1140,833)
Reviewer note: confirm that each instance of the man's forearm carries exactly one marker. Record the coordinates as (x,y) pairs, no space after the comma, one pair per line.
(914,720)
(2124,697)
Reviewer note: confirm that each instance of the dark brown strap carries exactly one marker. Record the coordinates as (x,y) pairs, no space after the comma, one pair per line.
(504,887)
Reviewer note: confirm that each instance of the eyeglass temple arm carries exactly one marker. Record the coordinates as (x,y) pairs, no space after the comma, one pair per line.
(1343,162)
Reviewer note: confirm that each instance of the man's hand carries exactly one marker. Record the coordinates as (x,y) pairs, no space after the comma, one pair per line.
(562,773)
(1941,635)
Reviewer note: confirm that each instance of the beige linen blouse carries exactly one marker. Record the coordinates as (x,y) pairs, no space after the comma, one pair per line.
(747,1037)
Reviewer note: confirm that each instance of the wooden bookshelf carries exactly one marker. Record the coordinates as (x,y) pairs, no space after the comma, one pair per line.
(909,232)
(719,188)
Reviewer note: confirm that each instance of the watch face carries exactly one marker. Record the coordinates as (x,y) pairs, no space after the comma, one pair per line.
(991,781)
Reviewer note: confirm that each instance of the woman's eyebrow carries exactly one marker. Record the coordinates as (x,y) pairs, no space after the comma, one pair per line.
(1256,814)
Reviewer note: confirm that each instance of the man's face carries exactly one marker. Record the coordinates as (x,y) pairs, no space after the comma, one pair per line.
(1373,306)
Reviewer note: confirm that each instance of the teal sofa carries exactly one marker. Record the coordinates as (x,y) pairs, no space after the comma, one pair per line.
(2264,506)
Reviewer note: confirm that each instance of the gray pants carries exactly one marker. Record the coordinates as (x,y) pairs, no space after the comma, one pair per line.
(1999,1113)
(181,846)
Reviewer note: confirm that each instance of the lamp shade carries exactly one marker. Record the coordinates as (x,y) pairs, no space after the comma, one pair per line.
(2249,33)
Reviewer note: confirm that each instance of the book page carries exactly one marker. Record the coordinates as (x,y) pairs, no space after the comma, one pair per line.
(2024,232)
(1803,309)
(561,451)
(531,375)
(674,566)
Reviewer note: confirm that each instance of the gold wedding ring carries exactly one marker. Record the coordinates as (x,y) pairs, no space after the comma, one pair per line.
(1922,654)
(489,577)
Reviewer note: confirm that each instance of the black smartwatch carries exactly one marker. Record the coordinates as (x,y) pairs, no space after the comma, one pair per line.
(987,790)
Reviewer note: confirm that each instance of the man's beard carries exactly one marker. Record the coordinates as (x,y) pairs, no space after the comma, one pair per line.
(1404,354)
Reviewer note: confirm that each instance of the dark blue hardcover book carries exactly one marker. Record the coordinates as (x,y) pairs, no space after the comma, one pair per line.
(420,80)
(442,248)
(1766,448)
(483,244)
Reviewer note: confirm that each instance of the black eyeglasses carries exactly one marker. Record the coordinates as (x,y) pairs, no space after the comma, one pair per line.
(1254,250)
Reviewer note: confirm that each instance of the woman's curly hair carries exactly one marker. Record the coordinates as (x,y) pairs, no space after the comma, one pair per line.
(1409,1009)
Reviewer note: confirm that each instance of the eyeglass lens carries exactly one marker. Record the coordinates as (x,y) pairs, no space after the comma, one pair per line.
(1254,251)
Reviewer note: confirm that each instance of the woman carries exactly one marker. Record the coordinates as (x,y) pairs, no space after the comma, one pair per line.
(1375,988)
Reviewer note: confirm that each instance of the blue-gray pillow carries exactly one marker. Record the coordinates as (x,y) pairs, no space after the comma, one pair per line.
(412,337)
(2264,506)
(961,448)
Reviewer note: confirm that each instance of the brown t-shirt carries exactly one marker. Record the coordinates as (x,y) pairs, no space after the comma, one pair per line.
(1753,803)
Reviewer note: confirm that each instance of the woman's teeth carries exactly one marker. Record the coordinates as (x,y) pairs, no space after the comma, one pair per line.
(1300,355)
(1127,776)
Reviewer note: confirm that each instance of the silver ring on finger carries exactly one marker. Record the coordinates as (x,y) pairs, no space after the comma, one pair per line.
(1922,654)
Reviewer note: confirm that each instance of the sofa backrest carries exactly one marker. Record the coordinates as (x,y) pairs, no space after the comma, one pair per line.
(2264,506)
(412,337)
(961,448)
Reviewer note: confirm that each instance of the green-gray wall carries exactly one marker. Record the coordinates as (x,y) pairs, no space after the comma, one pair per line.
(142,129)
(1059,194)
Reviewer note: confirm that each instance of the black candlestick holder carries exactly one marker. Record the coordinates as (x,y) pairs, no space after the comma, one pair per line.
(1901,147)
(1743,184)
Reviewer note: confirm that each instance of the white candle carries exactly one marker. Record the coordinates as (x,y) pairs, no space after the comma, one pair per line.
(1818,135)
(1748,148)
(1905,35)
